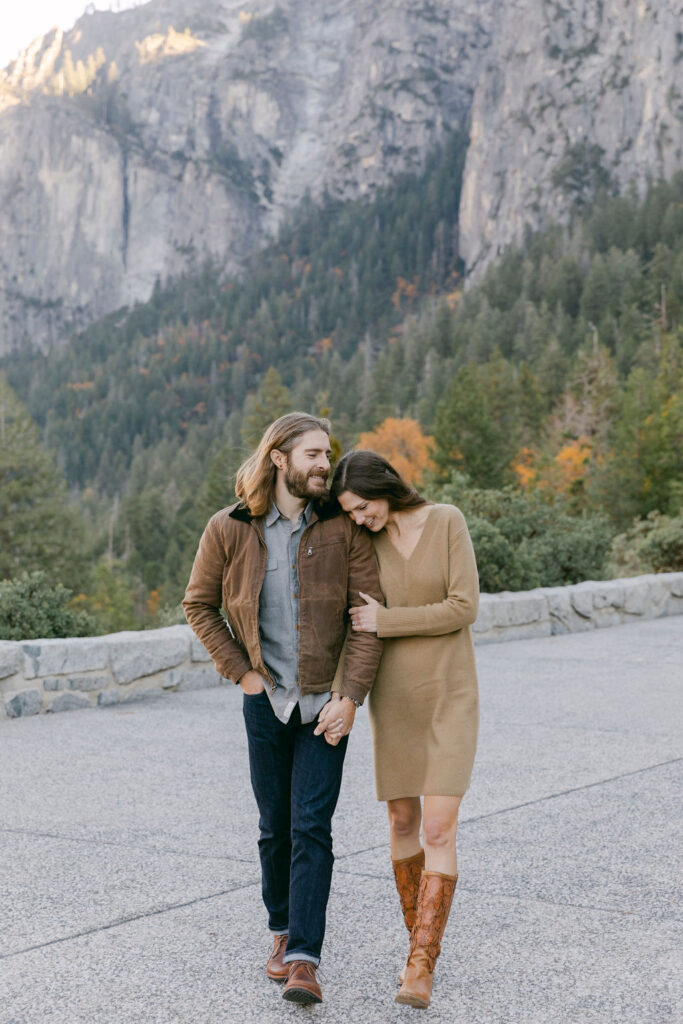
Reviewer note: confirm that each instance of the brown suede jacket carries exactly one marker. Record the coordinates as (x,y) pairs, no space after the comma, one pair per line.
(336,560)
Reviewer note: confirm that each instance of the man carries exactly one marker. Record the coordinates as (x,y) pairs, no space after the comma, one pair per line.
(286,570)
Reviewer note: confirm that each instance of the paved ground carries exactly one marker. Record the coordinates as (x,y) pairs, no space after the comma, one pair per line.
(129,886)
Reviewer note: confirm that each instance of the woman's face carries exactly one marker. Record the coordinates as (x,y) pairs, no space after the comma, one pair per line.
(372,515)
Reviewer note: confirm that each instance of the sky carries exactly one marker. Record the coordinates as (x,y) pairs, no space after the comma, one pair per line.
(21,21)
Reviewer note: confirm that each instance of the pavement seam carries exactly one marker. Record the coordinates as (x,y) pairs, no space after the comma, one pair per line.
(124,846)
(128,920)
(524,899)
(531,803)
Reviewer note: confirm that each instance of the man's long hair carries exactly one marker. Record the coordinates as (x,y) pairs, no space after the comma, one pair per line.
(255,480)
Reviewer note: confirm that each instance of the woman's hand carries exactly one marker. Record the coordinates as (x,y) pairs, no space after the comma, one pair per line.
(364,619)
(336,719)
(252,682)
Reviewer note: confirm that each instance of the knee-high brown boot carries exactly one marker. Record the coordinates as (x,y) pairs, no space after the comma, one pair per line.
(407,873)
(433,907)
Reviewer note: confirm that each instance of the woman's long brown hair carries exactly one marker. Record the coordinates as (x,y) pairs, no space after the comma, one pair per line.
(370,476)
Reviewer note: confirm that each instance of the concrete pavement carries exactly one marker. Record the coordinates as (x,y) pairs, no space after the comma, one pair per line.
(129,881)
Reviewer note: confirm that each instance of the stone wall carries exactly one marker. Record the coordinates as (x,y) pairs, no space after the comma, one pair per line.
(549,611)
(83,672)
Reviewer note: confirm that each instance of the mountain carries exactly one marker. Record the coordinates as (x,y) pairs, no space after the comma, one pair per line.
(141,143)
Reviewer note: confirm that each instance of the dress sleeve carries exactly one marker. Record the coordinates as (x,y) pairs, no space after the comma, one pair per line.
(460,606)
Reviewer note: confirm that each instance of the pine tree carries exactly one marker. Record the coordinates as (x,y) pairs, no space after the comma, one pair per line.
(39,529)
(271,400)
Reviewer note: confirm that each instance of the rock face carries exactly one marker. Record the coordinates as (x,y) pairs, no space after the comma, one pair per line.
(573,94)
(139,143)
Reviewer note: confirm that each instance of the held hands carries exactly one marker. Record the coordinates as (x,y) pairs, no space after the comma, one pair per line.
(364,619)
(336,719)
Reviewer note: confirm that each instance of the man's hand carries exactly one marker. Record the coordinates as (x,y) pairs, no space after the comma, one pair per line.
(364,619)
(252,682)
(336,719)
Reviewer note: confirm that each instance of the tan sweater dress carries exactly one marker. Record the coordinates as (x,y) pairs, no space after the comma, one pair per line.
(424,703)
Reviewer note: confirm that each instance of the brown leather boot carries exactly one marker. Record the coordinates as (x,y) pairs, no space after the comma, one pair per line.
(433,906)
(275,968)
(302,984)
(407,873)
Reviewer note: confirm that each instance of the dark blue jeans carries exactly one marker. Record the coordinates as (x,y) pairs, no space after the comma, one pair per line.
(296,778)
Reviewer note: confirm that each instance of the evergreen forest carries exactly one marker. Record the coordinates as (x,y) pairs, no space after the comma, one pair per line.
(544,399)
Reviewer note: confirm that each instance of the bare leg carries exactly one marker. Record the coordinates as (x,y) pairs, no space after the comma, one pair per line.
(439,828)
(404,826)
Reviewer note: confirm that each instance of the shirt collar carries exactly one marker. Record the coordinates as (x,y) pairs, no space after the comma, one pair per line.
(274,514)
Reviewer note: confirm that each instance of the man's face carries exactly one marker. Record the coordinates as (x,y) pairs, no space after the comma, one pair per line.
(308,465)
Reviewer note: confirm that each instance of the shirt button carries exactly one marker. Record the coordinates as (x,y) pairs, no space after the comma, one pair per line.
(297,626)
(295,595)
(293,565)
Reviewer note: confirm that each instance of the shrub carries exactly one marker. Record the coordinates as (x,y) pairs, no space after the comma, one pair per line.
(522,542)
(654,544)
(31,607)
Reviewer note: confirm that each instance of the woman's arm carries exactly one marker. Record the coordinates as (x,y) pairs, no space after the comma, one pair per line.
(459,607)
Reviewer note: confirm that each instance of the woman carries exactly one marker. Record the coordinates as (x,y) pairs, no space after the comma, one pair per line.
(424,704)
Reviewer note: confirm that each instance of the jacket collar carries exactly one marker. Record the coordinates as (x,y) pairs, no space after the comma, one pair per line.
(319,510)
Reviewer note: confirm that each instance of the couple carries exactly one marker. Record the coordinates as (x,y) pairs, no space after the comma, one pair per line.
(287,563)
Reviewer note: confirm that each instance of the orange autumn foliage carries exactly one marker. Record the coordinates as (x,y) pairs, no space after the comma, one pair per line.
(524,467)
(572,461)
(559,474)
(403,444)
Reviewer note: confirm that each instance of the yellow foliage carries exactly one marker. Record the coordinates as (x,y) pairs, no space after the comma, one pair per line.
(572,461)
(404,288)
(403,444)
(453,298)
(524,465)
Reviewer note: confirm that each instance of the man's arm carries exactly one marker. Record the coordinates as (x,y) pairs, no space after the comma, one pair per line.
(202,603)
(363,650)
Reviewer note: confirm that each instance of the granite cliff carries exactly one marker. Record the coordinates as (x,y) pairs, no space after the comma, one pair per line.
(140,143)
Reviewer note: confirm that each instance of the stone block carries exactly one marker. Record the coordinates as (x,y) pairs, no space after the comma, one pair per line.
(676,584)
(608,595)
(198,651)
(87,683)
(635,596)
(200,679)
(136,695)
(10,658)
(518,609)
(563,617)
(484,620)
(53,684)
(582,601)
(524,632)
(61,657)
(135,655)
(172,678)
(607,617)
(106,698)
(659,591)
(69,702)
(23,703)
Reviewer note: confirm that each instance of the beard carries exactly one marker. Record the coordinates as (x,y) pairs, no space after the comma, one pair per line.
(305,485)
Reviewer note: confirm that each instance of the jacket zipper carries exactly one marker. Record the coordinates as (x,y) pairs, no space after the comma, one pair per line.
(262,668)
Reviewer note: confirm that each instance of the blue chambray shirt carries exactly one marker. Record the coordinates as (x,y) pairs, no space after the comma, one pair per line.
(279,617)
